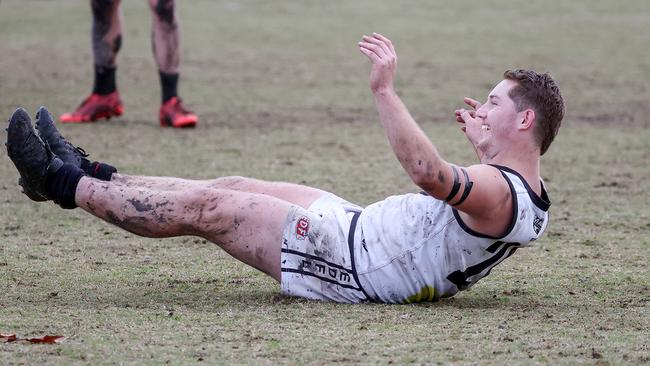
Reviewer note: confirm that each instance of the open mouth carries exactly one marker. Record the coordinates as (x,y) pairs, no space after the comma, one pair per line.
(485,127)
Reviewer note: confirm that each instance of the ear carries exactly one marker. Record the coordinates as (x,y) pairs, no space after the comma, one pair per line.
(527,119)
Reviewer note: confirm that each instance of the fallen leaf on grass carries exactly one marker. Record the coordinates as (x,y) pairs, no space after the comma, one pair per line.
(4,338)
(48,339)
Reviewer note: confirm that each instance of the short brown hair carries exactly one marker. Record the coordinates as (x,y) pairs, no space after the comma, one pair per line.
(541,93)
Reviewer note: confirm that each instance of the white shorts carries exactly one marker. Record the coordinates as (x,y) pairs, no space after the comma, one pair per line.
(316,255)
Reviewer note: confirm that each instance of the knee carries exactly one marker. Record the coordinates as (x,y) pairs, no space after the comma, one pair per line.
(208,209)
(103,9)
(206,204)
(203,197)
(163,9)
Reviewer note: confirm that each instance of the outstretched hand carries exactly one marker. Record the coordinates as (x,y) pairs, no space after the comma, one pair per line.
(381,53)
(470,124)
(464,116)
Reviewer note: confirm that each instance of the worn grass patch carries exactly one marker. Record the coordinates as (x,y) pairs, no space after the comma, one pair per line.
(282,93)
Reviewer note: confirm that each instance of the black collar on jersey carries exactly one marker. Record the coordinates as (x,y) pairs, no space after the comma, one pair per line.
(542,202)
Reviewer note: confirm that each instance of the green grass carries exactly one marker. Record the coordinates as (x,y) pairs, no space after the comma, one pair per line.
(283,95)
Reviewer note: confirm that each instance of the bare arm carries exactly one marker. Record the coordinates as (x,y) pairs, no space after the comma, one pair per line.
(479,191)
(413,149)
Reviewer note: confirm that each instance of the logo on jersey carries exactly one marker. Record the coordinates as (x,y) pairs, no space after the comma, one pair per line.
(537,224)
(302,228)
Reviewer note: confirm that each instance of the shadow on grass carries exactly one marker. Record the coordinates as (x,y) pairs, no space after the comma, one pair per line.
(214,297)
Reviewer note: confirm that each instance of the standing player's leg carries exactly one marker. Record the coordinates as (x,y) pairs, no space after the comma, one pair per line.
(104,101)
(165,40)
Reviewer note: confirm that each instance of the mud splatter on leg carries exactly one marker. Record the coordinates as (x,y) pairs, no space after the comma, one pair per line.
(106,31)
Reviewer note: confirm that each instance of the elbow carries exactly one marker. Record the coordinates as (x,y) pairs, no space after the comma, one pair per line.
(427,175)
(423,182)
(423,178)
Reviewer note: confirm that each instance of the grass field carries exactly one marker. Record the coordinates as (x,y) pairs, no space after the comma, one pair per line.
(283,95)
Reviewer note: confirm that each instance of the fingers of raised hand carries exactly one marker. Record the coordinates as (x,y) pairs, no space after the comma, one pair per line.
(381,48)
(458,114)
(465,115)
(376,49)
(369,53)
(472,103)
(386,41)
(376,55)
(459,119)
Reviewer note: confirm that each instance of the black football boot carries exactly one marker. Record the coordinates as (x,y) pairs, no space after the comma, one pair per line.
(31,156)
(59,145)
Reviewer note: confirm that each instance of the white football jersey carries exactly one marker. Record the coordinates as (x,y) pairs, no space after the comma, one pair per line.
(414,247)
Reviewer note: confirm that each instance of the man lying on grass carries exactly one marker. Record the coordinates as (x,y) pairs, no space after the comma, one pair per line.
(406,248)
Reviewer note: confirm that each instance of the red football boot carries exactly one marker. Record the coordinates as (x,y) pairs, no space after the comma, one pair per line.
(173,114)
(96,106)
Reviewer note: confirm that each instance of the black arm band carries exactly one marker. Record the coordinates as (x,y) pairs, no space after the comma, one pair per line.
(455,187)
(468,188)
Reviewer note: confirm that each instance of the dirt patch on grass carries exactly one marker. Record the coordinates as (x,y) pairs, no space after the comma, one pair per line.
(635,115)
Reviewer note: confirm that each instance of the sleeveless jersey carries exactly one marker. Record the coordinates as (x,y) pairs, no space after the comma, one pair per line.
(413,247)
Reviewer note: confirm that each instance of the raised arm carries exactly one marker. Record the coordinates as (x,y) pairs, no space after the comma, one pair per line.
(413,149)
(480,191)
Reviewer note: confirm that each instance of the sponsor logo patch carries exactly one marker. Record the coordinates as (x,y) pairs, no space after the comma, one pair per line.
(537,224)
(302,228)
(324,269)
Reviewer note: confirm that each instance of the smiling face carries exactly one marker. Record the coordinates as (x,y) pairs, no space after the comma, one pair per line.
(497,119)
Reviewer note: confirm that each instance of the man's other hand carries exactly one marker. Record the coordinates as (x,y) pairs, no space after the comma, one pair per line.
(475,104)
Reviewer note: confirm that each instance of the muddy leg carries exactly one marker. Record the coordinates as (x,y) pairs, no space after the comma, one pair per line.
(106,31)
(165,38)
(300,195)
(247,226)
(157,183)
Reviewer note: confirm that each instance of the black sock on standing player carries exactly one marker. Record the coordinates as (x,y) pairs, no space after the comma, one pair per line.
(168,85)
(104,80)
